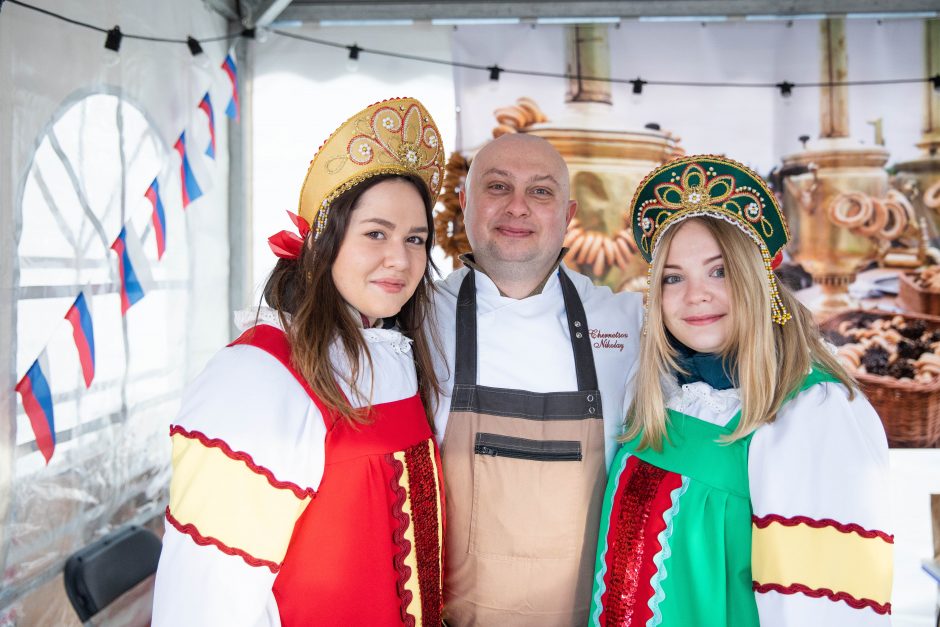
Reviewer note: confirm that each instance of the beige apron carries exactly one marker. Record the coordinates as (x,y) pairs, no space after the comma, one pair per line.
(524,478)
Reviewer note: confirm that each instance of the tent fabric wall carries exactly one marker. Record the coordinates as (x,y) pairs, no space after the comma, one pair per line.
(83,133)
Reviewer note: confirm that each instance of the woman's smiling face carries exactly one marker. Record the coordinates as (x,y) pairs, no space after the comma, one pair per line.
(696,299)
(382,256)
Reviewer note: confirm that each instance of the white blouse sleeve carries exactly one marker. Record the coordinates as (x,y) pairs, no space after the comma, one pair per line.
(822,548)
(248,455)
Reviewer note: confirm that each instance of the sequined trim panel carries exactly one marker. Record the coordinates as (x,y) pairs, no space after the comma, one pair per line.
(424,493)
(637,520)
(417,507)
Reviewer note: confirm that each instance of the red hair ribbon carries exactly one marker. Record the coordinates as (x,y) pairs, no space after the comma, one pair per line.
(289,245)
(777,260)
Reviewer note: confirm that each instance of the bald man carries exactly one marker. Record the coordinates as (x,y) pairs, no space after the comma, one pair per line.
(537,361)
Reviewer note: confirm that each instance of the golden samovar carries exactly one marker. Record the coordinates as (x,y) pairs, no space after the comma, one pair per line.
(919,179)
(606,160)
(835,168)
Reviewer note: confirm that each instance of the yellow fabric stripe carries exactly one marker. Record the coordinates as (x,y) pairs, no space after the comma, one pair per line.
(822,558)
(224,499)
(411,560)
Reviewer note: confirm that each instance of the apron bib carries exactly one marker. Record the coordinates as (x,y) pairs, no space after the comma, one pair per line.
(524,475)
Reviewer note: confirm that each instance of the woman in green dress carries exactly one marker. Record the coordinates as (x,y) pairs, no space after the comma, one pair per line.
(750,488)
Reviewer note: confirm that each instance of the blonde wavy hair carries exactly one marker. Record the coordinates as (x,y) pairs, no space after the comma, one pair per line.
(771,360)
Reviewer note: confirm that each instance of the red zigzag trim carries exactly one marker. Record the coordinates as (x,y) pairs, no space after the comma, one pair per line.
(191,531)
(824,592)
(398,536)
(765,521)
(300,493)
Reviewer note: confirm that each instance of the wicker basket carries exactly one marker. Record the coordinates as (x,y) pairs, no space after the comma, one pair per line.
(915,298)
(909,410)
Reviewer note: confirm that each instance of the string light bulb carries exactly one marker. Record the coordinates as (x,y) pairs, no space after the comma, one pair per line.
(352,62)
(112,41)
(637,90)
(492,85)
(786,88)
(195,48)
(112,46)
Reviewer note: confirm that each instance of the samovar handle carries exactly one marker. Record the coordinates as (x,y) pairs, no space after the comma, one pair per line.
(804,194)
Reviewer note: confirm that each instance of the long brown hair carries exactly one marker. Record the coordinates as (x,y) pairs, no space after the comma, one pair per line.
(304,290)
(770,360)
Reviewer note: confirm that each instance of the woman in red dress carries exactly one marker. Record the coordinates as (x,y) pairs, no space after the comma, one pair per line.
(306,482)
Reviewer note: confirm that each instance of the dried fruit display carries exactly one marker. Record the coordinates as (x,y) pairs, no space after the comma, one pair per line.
(897,347)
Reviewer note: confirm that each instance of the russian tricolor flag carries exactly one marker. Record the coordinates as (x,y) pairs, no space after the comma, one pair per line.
(79,314)
(37,401)
(206,105)
(228,66)
(188,183)
(158,217)
(132,263)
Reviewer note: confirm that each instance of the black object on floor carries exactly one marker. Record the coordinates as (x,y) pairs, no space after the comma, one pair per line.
(101,572)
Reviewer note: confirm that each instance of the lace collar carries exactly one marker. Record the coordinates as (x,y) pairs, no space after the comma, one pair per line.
(683,398)
(247,318)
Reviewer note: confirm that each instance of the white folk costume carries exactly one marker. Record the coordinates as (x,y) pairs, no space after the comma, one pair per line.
(533,403)
(786,527)
(281,512)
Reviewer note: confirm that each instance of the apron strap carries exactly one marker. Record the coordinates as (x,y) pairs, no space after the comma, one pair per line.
(579,333)
(465,352)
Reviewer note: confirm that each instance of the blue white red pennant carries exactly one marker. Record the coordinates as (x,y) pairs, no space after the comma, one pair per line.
(158,217)
(36,393)
(188,183)
(206,105)
(132,263)
(228,66)
(79,314)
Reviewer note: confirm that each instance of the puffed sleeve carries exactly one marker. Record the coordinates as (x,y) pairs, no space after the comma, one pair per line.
(248,454)
(822,549)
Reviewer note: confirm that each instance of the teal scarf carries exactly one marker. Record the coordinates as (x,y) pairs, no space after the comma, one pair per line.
(707,367)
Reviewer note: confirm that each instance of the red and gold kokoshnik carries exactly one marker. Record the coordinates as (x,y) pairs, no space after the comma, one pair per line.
(395,136)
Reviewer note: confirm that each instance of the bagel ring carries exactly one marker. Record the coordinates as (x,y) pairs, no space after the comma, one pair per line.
(840,209)
(879,219)
(898,222)
(932,196)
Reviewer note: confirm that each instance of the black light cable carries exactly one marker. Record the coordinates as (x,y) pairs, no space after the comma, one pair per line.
(169,40)
(114,37)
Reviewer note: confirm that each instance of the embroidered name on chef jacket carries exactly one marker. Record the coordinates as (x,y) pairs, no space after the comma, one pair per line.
(608,339)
